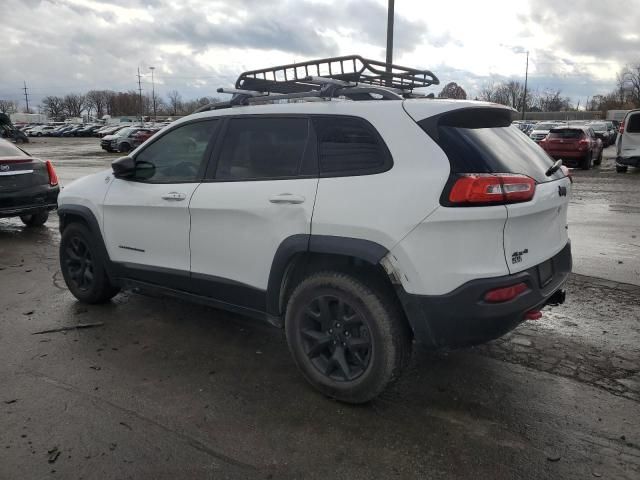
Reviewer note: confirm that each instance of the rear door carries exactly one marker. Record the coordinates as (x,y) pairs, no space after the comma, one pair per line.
(260,191)
(630,143)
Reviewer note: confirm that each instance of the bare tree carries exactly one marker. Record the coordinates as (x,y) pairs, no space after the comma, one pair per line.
(96,100)
(74,104)
(8,106)
(175,102)
(453,90)
(54,107)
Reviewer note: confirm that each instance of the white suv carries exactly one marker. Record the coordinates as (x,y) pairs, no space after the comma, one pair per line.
(357,226)
(628,144)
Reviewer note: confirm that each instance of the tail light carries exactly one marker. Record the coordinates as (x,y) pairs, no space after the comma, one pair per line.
(622,127)
(583,144)
(567,173)
(53,178)
(500,295)
(491,188)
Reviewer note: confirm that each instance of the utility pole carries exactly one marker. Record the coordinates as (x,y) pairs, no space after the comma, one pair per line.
(153,94)
(140,91)
(26,95)
(524,96)
(390,15)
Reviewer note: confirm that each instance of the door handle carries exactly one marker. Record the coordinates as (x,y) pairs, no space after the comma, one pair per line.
(286,198)
(174,196)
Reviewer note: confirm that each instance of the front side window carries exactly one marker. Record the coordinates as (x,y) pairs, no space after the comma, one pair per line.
(350,146)
(177,156)
(263,148)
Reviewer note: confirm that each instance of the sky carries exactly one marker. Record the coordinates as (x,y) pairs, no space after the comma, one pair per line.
(196,46)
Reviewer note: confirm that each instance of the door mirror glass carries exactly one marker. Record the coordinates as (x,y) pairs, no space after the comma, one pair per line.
(123,167)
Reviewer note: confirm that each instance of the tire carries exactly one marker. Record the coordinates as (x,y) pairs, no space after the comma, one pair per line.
(351,356)
(621,168)
(39,134)
(124,148)
(599,160)
(35,219)
(82,266)
(587,161)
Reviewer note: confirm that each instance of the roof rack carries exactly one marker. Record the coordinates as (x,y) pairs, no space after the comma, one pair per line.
(352,68)
(352,77)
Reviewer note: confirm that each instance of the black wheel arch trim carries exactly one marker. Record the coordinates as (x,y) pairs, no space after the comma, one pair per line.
(366,250)
(94,227)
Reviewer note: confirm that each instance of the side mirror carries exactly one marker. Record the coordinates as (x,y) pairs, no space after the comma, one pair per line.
(123,167)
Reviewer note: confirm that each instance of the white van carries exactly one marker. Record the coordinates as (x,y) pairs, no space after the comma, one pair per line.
(628,149)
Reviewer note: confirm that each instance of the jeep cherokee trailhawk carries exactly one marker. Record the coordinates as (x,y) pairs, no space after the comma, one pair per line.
(356,217)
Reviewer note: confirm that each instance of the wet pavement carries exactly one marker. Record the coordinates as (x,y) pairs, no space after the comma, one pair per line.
(165,389)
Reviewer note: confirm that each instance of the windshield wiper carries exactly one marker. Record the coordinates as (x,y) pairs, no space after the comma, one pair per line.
(554,168)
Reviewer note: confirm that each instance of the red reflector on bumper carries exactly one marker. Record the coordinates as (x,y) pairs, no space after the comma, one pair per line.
(533,315)
(505,294)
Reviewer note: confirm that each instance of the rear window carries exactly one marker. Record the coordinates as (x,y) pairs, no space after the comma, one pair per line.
(9,150)
(481,140)
(566,133)
(633,123)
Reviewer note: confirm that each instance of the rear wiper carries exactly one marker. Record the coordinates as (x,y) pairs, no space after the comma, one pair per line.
(554,168)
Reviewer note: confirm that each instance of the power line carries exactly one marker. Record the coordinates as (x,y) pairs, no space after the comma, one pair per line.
(26,95)
(140,91)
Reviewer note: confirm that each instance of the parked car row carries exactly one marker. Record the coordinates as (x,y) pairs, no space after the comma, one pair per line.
(605,130)
(126,139)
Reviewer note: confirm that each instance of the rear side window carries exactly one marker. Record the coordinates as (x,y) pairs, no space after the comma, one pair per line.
(350,146)
(633,124)
(566,133)
(263,148)
(482,140)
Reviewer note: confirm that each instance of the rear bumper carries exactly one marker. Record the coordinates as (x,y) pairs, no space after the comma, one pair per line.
(566,155)
(462,318)
(628,161)
(27,201)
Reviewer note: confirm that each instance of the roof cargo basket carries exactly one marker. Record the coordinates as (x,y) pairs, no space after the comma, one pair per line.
(298,77)
(351,77)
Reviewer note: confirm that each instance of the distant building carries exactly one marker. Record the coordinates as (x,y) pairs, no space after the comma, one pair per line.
(29,118)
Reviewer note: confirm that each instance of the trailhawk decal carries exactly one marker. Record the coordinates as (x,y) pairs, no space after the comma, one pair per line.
(516,257)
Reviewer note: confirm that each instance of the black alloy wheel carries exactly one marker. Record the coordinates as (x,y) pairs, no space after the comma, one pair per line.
(79,263)
(336,338)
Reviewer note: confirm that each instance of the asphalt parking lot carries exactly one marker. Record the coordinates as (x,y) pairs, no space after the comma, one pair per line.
(166,389)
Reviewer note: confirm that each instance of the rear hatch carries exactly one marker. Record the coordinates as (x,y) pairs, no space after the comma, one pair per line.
(565,139)
(480,140)
(630,142)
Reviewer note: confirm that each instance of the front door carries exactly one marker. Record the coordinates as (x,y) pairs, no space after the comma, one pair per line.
(146,217)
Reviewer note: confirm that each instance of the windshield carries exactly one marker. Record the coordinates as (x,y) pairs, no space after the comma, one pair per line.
(10,150)
(124,132)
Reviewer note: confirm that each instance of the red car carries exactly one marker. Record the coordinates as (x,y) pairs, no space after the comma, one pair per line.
(576,146)
(142,136)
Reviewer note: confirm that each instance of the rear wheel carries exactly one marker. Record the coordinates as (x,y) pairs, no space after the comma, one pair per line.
(348,340)
(621,168)
(83,267)
(599,160)
(35,219)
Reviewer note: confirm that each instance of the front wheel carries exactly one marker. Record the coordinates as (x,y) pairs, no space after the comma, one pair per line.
(349,341)
(621,168)
(35,219)
(124,148)
(83,267)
